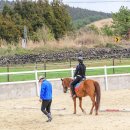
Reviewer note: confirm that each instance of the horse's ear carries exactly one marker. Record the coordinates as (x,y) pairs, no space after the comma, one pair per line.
(61,79)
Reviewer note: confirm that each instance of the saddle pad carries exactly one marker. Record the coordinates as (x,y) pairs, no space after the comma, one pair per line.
(77,86)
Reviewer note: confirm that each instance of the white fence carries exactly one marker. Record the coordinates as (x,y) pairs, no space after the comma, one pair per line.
(35,72)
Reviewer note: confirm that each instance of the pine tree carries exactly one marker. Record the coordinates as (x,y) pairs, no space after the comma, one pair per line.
(62,19)
(121,21)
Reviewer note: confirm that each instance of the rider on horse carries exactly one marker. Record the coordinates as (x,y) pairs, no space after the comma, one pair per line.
(79,75)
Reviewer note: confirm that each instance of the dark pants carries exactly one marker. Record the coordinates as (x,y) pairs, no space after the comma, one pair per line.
(46,106)
(75,81)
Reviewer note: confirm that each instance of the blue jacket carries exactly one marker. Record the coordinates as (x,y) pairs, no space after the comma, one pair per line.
(46,90)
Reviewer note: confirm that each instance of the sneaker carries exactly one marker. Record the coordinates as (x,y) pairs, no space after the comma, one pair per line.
(49,120)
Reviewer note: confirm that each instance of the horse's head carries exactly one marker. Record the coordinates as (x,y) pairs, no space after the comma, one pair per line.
(65,87)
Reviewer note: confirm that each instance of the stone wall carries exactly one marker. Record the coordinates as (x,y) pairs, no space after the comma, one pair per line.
(102,53)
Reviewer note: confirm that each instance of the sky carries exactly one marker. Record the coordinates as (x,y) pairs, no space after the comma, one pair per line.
(99,5)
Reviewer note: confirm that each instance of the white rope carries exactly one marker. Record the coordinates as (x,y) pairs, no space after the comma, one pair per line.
(114,110)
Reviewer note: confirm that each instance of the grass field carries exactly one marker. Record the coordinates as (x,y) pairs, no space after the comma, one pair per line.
(62,65)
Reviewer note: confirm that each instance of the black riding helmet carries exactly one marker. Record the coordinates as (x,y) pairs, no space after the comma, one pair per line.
(80,59)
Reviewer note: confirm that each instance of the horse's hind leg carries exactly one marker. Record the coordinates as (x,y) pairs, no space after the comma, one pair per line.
(80,105)
(93,104)
(74,100)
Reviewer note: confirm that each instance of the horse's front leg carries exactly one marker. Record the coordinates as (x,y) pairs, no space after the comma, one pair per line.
(80,105)
(74,100)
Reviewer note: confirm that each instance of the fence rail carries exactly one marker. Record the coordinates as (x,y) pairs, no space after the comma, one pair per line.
(35,73)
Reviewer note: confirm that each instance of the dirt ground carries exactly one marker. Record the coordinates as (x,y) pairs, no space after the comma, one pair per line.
(19,118)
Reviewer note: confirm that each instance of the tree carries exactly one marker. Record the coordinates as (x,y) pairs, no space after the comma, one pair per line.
(93,28)
(8,30)
(106,30)
(62,22)
(7,10)
(35,16)
(121,21)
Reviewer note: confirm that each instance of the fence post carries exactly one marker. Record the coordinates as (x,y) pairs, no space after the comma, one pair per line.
(36,65)
(37,84)
(113,65)
(8,76)
(45,67)
(106,81)
(72,72)
(70,62)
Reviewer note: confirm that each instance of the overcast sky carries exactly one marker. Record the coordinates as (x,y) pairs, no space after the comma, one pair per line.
(99,5)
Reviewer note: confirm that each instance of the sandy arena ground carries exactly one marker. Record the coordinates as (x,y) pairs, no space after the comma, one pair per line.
(33,119)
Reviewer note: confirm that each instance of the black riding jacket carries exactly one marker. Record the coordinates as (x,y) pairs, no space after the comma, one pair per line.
(80,70)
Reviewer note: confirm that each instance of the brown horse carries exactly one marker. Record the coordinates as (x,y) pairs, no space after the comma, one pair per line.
(87,87)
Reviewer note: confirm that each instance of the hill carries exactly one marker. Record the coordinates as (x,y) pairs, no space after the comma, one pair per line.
(103,22)
(82,17)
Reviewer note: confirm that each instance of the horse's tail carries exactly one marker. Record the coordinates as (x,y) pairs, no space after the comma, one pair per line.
(98,94)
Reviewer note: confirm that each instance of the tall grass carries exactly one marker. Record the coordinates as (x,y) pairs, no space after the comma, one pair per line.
(74,40)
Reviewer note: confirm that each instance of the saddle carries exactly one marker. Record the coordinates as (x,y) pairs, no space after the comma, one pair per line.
(77,86)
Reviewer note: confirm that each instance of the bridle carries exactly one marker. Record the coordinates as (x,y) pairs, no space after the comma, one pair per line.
(64,87)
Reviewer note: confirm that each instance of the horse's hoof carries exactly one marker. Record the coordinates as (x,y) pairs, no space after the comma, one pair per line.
(96,114)
(74,113)
(84,112)
(90,113)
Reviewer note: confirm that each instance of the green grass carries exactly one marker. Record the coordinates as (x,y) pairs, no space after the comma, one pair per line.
(61,65)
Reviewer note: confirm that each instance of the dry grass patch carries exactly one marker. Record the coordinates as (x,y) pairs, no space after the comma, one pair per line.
(103,22)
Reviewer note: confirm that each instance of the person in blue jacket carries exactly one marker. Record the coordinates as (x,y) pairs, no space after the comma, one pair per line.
(46,97)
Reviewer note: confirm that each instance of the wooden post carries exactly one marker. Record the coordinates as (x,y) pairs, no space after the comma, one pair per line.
(36,65)
(45,67)
(70,62)
(120,58)
(8,71)
(113,65)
